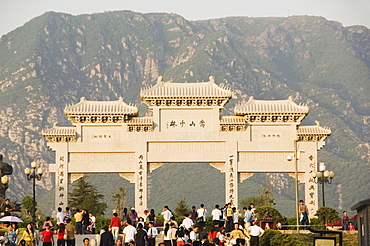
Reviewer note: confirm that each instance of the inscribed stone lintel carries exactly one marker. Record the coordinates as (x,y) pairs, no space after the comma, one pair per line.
(218,165)
(75,176)
(154,165)
(301,177)
(244,176)
(128,176)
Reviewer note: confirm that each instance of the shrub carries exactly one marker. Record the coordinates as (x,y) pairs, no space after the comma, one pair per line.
(265,240)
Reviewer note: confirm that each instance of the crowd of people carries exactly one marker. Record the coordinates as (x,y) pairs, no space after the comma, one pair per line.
(141,230)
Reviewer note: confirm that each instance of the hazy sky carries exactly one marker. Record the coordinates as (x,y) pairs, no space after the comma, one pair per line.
(14,13)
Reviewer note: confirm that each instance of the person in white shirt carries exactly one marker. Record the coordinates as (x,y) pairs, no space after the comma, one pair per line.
(152,234)
(187,222)
(216,214)
(167,215)
(129,233)
(92,222)
(255,232)
(193,234)
(60,216)
(201,216)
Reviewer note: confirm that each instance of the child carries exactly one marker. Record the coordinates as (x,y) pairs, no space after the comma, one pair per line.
(351,227)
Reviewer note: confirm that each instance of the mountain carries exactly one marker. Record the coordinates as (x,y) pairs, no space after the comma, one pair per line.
(56,58)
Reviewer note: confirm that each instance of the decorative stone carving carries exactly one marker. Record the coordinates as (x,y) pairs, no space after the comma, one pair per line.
(244,176)
(128,176)
(219,166)
(301,177)
(75,176)
(154,165)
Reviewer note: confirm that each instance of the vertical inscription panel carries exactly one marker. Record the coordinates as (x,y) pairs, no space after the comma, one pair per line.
(190,151)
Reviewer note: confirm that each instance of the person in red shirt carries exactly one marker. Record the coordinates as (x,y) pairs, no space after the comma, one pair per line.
(115,223)
(47,236)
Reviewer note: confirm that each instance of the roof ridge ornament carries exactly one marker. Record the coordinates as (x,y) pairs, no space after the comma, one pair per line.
(212,79)
(120,99)
(317,122)
(160,80)
(82,99)
(55,124)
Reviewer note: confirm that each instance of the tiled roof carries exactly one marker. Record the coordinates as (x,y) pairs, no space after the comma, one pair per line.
(118,107)
(313,130)
(185,90)
(270,107)
(60,131)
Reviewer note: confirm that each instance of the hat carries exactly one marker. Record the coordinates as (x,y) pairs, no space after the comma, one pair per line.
(255,223)
(133,208)
(119,239)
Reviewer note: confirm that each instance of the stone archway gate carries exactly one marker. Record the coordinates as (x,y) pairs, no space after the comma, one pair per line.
(185,126)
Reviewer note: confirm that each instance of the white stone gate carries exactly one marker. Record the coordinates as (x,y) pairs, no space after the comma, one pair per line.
(186,126)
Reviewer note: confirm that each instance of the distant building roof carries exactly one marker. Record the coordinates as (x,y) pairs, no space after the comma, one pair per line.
(313,133)
(361,204)
(60,134)
(85,107)
(192,91)
(267,107)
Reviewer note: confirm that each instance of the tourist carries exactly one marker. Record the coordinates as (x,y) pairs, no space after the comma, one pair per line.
(235,215)
(141,221)
(106,238)
(173,229)
(85,221)
(236,233)
(152,217)
(7,207)
(201,216)
(229,218)
(86,241)
(133,217)
(47,236)
(146,218)
(187,222)
(194,236)
(60,216)
(10,237)
(167,235)
(119,242)
(216,214)
(78,218)
(255,232)
(167,215)
(47,222)
(303,212)
(248,217)
(15,228)
(129,232)
(254,214)
(115,223)
(345,221)
(180,236)
(152,234)
(351,227)
(141,235)
(61,231)
(67,215)
(193,214)
(71,230)
(221,236)
(92,222)
(28,235)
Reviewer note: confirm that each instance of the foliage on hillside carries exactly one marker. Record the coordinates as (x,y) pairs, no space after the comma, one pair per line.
(56,58)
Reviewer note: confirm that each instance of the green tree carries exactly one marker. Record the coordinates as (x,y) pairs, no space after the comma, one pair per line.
(86,196)
(27,206)
(327,215)
(119,200)
(181,208)
(272,212)
(266,198)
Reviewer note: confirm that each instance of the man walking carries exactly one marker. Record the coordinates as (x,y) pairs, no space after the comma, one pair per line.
(152,234)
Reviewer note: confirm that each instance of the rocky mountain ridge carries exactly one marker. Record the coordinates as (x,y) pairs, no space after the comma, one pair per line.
(56,58)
